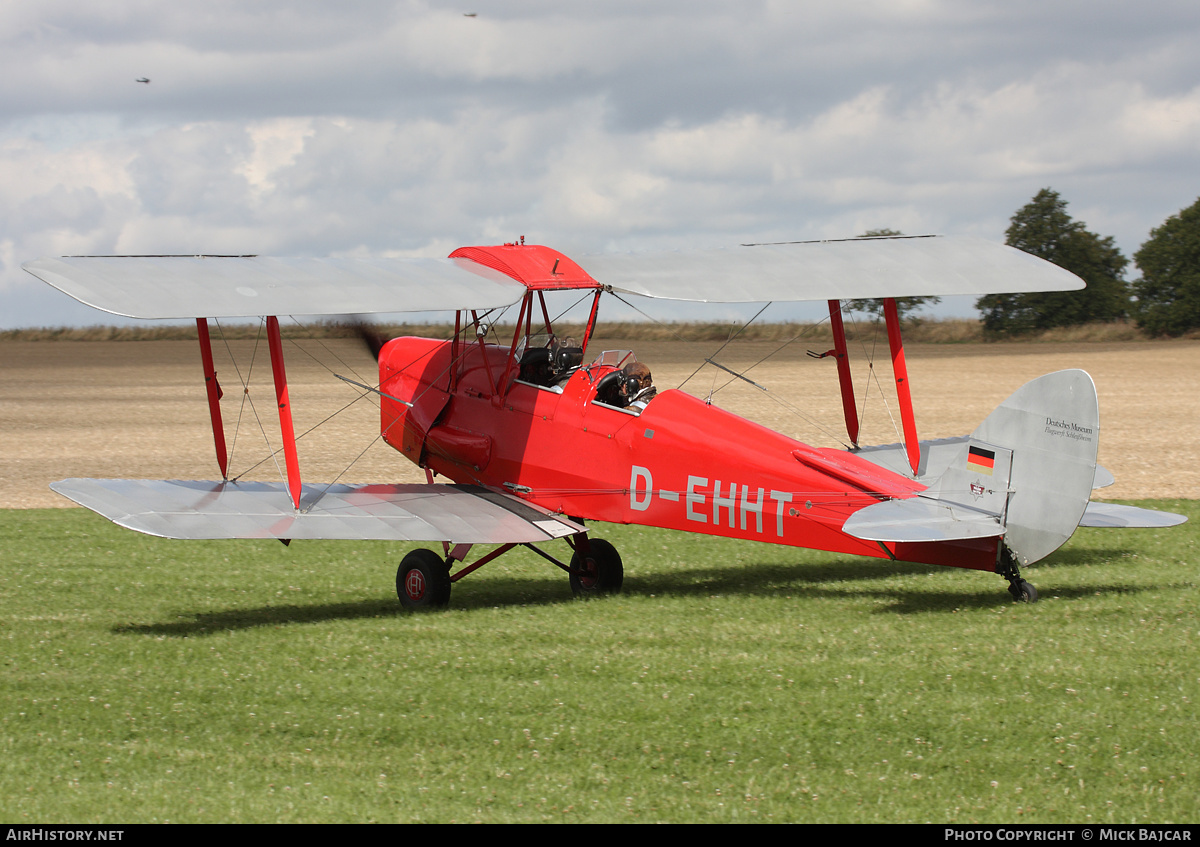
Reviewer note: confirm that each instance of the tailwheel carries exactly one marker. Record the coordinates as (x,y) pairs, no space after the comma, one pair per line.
(1006,566)
(423,580)
(599,571)
(1022,592)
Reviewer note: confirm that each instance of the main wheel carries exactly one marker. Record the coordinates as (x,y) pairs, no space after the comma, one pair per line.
(599,572)
(423,580)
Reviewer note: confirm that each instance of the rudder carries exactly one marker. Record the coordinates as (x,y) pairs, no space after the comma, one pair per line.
(1051,425)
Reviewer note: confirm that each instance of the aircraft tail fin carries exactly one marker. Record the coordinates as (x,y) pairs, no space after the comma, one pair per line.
(1044,438)
(1025,473)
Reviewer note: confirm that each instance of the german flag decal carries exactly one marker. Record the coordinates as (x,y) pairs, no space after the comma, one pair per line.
(981,460)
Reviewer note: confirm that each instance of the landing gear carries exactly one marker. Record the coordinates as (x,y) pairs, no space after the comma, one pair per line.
(1021,591)
(423,580)
(596,569)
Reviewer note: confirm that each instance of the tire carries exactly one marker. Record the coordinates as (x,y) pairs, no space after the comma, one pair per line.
(600,572)
(1023,592)
(423,580)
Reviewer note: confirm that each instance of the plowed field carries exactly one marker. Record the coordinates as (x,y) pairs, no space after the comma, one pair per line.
(137,409)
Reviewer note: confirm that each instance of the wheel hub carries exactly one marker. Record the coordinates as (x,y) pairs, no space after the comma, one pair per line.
(414,585)
(587,574)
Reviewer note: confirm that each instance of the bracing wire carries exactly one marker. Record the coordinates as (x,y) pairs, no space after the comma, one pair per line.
(247,398)
(790,407)
(486,316)
(872,375)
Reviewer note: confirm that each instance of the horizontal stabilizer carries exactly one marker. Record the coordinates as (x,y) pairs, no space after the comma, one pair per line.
(209,510)
(921,519)
(1130,517)
(937,456)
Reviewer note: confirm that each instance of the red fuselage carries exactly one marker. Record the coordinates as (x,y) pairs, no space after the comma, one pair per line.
(679,463)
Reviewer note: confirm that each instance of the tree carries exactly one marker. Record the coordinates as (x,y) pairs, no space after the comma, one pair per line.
(1168,294)
(905,306)
(1043,228)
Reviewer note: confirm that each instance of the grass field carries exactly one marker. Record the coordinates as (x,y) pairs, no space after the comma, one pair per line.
(148,680)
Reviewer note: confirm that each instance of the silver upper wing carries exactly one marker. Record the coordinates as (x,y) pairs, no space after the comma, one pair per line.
(832,270)
(175,287)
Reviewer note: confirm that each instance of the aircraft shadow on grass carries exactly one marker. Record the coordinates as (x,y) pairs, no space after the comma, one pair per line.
(835,578)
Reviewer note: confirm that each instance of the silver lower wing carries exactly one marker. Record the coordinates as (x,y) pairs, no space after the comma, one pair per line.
(210,510)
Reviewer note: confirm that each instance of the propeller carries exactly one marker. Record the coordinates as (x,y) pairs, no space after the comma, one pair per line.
(370,336)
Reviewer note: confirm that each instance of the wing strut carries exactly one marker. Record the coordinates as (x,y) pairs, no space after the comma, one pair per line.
(591,324)
(911,445)
(849,409)
(286,430)
(214,396)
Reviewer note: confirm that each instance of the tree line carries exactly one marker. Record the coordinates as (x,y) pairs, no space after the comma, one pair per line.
(1164,300)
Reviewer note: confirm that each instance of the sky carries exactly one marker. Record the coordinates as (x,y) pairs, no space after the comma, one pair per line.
(399,128)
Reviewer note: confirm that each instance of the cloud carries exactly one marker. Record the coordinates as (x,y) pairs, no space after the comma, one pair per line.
(405,128)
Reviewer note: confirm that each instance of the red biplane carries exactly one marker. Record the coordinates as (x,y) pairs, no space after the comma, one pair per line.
(540,434)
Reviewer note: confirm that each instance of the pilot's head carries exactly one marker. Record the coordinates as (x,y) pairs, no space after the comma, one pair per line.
(635,373)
